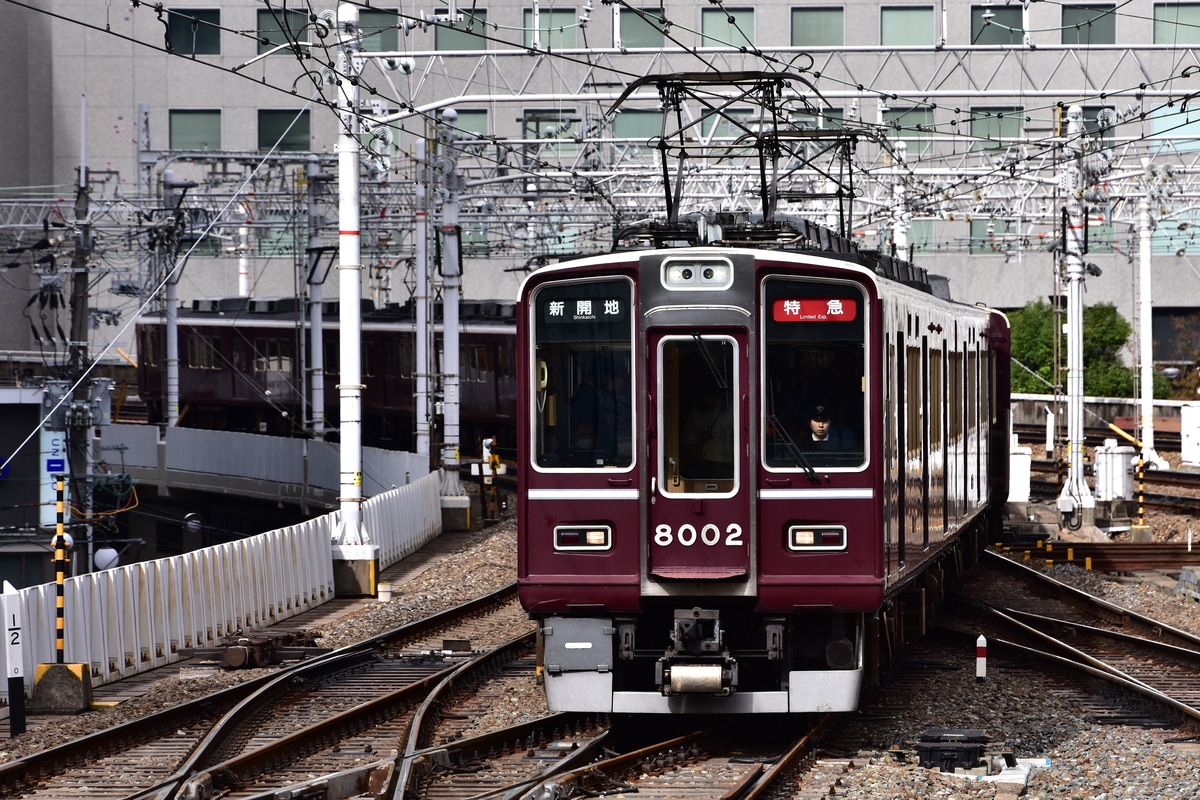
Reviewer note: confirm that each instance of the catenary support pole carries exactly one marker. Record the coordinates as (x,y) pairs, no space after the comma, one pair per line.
(1076,498)
(350,531)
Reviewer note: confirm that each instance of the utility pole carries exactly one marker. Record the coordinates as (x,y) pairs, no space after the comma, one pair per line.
(355,558)
(900,215)
(316,283)
(422,326)
(1145,316)
(451,289)
(1076,501)
(78,426)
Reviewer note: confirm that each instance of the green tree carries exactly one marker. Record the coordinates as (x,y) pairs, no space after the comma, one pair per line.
(1105,332)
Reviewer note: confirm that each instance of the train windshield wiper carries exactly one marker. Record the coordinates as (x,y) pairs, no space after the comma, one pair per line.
(718,376)
(792,448)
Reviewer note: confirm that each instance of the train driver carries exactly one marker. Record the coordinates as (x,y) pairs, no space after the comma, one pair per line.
(823,434)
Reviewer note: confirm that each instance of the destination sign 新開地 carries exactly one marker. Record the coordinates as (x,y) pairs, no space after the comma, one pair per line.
(583,309)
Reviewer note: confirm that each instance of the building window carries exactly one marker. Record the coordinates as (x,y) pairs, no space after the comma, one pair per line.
(1177,23)
(192,129)
(468,33)
(1089,23)
(993,128)
(556,28)
(906,26)
(727,27)
(195,243)
(277,26)
(826,119)
(920,237)
(556,125)
(818,27)
(914,126)
(641,125)
(989,236)
(194,31)
(378,31)
(642,27)
(997,25)
(729,125)
(285,235)
(1179,127)
(283,130)
(1091,122)
(472,128)
(472,122)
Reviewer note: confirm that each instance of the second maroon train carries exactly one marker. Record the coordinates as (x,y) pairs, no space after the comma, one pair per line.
(245,365)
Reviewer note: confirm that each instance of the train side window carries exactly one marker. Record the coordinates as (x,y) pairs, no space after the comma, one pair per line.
(913,402)
(272,355)
(936,400)
(149,347)
(504,365)
(406,358)
(814,374)
(332,357)
(203,351)
(368,359)
(582,376)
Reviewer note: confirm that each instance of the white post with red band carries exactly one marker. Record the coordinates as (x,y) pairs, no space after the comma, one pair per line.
(981,658)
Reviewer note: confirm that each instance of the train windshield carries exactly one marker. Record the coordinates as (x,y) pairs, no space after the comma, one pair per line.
(814,374)
(699,419)
(583,375)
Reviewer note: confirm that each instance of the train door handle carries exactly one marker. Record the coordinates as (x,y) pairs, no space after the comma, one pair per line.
(620,481)
(779,481)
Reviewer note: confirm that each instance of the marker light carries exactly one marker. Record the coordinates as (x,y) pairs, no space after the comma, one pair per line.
(706,274)
(583,537)
(816,538)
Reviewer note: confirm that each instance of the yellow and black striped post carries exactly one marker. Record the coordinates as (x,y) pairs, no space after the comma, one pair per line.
(1141,476)
(60,571)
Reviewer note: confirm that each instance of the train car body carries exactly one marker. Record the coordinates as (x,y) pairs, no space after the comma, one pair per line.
(243,366)
(685,545)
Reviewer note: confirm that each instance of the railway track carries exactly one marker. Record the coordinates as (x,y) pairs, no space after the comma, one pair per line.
(1166,441)
(743,760)
(1108,556)
(152,757)
(1179,504)
(427,741)
(1033,614)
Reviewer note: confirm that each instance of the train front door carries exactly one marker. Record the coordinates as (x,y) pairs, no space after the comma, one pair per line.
(700,498)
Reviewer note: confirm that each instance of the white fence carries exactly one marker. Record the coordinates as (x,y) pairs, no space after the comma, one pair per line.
(133,618)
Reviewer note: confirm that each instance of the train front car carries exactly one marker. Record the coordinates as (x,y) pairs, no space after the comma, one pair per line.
(720,474)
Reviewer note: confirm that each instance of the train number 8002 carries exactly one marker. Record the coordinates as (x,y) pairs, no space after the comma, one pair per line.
(709,535)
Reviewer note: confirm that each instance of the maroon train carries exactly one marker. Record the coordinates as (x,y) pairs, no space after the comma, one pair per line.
(685,544)
(242,368)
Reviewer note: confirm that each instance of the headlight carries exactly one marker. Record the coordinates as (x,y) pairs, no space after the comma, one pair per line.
(708,274)
(816,538)
(583,537)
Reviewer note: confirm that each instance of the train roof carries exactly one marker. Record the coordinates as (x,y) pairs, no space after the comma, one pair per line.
(783,233)
(865,263)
